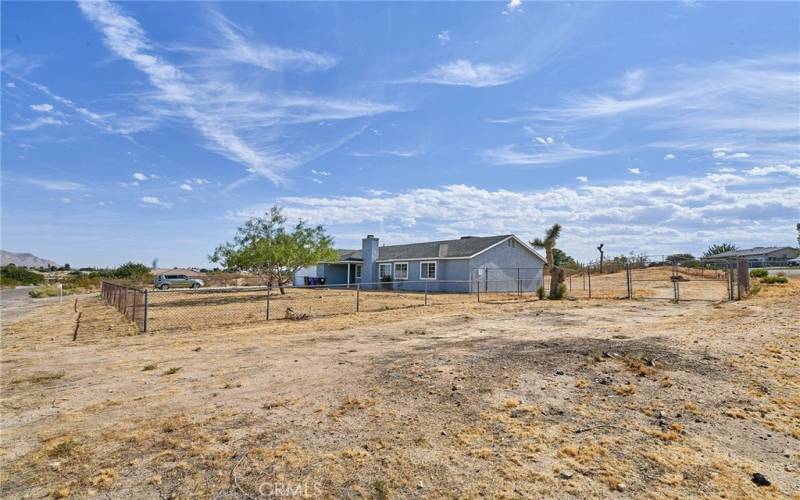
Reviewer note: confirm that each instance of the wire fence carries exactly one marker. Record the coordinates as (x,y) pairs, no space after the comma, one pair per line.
(655,277)
(647,278)
(130,301)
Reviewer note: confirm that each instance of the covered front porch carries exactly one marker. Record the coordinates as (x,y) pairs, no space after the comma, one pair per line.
(346,273)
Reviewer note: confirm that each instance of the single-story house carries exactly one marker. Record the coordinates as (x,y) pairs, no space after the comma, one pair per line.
(495,263)
(759,256)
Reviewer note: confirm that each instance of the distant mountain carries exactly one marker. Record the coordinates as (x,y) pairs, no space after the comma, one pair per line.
(24,259)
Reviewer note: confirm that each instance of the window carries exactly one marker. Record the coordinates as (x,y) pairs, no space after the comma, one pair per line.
(358,271)
(384,271)
(427,270)
(401,270)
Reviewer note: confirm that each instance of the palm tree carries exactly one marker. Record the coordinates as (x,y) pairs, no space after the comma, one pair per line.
(548,243)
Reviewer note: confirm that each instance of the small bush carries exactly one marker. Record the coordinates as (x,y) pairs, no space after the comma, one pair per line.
(759,273)
(561,291)
(47,291)
(12,275)
(540,292)
(772,280)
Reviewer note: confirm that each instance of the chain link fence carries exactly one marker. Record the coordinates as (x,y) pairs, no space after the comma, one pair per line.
(661,277)
(648,277)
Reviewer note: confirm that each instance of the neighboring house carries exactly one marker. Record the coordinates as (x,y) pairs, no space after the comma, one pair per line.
(499,263)
(177,270)
(759,256)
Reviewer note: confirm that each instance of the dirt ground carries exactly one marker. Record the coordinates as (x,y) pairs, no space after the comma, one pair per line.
(567,399)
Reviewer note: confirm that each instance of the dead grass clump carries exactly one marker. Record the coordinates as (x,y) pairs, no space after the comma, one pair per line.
(625,390)
(105,478)
(172,371)
(584,453)
(735,413)
(39,378)
(62,449)
(582,383)
(510,403)
(667,435)
(148,368)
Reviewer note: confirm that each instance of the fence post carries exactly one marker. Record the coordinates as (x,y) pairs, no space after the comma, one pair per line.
(589,275)
(269,297)
(478,278)
(628,278)
(358,296)
(519,285)
(144,323)
(133,312)
(426,293)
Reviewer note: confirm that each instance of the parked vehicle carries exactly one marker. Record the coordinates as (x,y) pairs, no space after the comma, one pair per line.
(793,262)
(166,281)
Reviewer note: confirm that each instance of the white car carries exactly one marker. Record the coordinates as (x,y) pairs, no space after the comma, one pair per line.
(793,262)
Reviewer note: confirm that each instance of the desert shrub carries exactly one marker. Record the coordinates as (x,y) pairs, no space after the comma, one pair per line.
(755,289)
(771,280)
(46,291)
(561,291)
(759,273)
(540,292)
(131,270)
(13,275)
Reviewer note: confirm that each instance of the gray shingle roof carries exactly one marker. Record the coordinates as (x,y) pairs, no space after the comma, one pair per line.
(463,247)
(349,254)
(748,252)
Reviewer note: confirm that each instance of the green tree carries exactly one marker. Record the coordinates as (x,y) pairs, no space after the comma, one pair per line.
(130,270)
(680,257)
(548,243)
(719,248)
(264,247)
(561,259)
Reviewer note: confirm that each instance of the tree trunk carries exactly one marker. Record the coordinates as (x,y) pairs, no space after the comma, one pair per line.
(556,277)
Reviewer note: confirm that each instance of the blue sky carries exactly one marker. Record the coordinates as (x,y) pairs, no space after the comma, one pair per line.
(143,130)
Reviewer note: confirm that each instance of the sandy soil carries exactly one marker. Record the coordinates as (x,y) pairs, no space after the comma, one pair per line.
(608,398)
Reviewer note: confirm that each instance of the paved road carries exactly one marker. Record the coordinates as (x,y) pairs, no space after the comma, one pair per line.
(15,303)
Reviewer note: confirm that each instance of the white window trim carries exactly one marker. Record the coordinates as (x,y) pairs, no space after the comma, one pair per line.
(394,271)
(357,272)
(389,273)
(435,269)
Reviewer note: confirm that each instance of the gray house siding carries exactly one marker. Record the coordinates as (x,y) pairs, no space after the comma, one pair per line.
(499,267)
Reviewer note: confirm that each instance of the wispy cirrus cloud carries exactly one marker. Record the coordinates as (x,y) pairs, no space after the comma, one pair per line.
(244,124)
(36,124)
(741,104)
(525,155)
(233,47)
(464,72)
(42,108)
(51,185)
(400,153)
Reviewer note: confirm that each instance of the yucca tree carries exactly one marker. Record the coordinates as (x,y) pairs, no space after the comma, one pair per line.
(548,243)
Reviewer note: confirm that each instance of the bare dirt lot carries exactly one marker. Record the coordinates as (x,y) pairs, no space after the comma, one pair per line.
(602,398)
